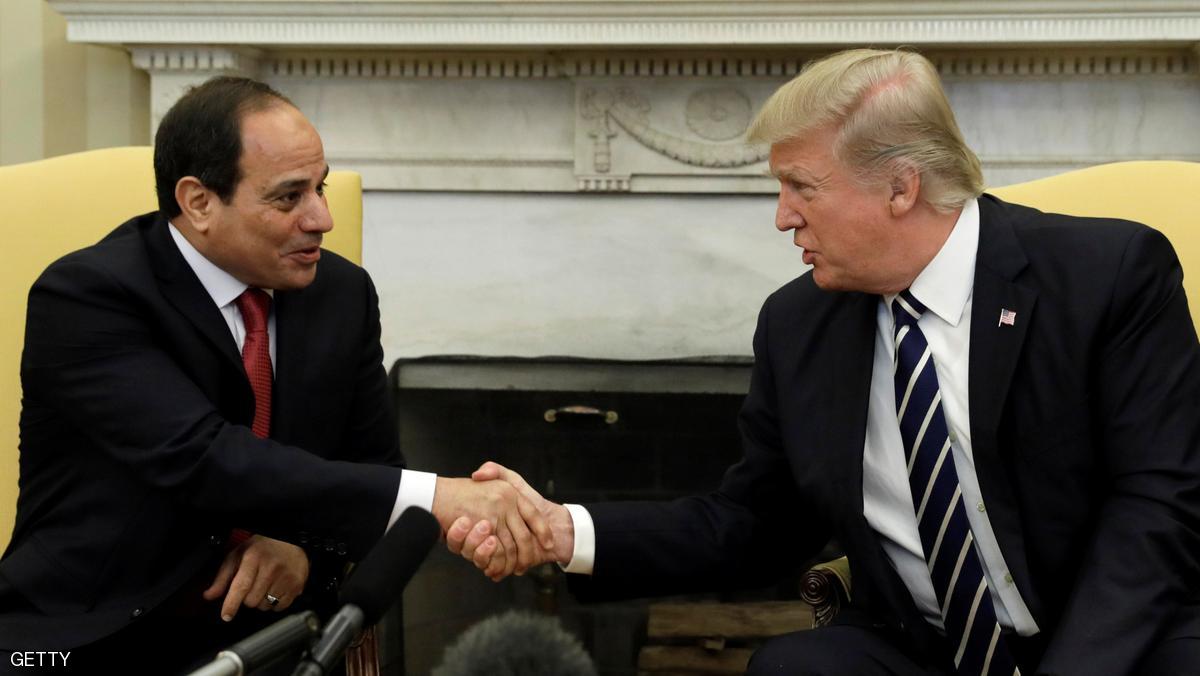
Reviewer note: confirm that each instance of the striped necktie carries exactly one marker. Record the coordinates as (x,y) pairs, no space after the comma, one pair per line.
(954,565)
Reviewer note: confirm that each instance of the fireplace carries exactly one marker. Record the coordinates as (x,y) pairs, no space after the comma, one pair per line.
(579,431)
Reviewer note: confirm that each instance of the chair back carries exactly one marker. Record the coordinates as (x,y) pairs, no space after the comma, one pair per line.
(58,205)
(1161,194)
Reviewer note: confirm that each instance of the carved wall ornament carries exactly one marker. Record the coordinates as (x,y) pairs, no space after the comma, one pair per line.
(718,113)
(631,112)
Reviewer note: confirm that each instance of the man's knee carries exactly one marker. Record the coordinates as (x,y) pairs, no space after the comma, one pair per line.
(1176,657)
(797,653)
(829,651)
(1179,652)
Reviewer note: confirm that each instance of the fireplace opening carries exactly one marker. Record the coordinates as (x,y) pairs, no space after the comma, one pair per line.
(578,431)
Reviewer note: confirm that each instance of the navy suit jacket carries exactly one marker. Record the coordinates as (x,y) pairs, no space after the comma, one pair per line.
(136,451)
(1085,423)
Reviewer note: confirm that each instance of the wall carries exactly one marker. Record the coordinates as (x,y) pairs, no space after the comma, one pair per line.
(58,97)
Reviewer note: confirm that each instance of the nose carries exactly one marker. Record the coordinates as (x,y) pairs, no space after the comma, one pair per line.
(317,219)
(787,217)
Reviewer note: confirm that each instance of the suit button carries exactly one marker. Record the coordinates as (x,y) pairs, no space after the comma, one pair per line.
(329,545)
(137,612)
(341,549)
(215,540)
(303,537)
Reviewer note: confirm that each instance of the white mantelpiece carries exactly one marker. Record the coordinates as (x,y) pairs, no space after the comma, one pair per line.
(632,113)
(541,24)
(636,96)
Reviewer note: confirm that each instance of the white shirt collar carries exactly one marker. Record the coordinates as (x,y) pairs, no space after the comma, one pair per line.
(945,285)
(223,287)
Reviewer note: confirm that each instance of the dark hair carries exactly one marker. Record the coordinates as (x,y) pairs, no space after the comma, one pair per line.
(201,136)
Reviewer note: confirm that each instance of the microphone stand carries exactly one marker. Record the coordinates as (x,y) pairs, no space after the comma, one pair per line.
(264,647)
(338,634)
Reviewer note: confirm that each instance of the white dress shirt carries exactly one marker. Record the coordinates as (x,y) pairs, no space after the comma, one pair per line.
(945,287)
(416,488)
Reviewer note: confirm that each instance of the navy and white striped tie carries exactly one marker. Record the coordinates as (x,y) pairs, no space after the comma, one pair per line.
(954,565)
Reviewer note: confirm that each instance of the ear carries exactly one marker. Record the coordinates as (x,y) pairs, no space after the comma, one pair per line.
(196,201)
(905,188)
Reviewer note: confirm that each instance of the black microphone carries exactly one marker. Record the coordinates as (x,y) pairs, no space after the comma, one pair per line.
(373,586)
(285,637)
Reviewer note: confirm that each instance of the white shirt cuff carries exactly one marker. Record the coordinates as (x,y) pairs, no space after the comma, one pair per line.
(583,557)
(416,490)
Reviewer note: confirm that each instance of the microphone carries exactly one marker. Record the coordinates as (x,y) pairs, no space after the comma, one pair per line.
(373,586)
(264,647)
(516,642)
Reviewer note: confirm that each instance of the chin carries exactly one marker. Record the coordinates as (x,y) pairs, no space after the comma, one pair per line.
(824,281)
(295,282)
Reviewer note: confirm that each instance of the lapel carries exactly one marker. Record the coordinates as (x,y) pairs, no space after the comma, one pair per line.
(851,335)
(995,350)
(183,290)
(291,360)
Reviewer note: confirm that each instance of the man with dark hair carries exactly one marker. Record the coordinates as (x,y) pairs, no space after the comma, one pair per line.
(202,137)
(995,411)
(205,410)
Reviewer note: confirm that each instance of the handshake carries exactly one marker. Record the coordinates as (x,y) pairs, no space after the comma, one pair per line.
(497,521)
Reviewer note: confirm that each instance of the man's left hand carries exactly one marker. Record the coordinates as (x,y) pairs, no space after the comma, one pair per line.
(255,569)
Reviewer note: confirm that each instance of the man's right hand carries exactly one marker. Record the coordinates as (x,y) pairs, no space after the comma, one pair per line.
(476,543)
(518,530)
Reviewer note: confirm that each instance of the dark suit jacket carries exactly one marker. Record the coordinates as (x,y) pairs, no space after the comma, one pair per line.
(1085,422)
(136,452)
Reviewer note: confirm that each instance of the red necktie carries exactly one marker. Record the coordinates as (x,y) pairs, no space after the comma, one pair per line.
(255,304)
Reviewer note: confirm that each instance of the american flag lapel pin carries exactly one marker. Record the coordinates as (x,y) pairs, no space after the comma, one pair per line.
(1007,317)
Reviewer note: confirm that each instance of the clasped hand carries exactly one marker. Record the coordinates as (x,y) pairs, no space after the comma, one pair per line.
(503,545)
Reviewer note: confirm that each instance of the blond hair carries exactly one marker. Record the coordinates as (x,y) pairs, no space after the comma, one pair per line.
(891,113)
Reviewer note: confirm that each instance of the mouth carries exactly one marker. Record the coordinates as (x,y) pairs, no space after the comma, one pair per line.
(808,257)
(307,255)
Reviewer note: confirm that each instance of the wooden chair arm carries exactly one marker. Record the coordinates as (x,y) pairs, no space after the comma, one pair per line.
(826,586)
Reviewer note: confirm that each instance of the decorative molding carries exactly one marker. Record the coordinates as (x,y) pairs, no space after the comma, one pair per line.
(463,65)
(663,23)
(1070,63)
(821,32)
(196,58)
(603,183)
(1024,64)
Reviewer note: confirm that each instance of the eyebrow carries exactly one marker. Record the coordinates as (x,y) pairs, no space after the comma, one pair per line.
(790,173)
(293,184)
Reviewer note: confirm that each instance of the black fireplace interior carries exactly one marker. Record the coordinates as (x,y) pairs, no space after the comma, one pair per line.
(578,431)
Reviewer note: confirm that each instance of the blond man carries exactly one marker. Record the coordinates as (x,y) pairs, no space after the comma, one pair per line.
(995,411)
